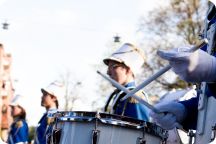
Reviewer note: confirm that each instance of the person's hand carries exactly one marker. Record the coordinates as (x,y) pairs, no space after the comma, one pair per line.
(170,114)
(195,66)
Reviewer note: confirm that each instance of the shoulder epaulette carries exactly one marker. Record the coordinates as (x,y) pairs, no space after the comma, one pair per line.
(140,94)
(50,120)
(19,124)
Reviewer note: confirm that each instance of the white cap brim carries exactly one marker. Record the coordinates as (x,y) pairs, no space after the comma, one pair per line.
(106,60)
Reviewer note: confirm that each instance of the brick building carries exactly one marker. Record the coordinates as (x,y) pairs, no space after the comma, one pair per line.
(6,91)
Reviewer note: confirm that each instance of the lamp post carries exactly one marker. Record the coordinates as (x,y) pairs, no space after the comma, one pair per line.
(116,39)
(5,25)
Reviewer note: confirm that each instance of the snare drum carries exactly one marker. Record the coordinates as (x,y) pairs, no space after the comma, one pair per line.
(79,127)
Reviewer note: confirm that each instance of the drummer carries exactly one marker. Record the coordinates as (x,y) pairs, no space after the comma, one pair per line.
(50,100)
(123,65)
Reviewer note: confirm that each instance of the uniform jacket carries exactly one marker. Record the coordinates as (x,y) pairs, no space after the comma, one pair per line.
(44,128)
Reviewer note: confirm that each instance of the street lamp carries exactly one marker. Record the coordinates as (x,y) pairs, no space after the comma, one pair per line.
(116,39)
(5,25)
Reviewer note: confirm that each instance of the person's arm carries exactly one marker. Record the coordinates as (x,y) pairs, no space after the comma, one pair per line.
(21,132)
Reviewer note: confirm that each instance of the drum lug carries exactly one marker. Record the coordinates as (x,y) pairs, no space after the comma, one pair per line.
(95,136)
(141,141)
(191,135)
(213,135)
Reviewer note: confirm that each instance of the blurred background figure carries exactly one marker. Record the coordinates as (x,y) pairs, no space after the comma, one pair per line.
(18,133)
(50,100)
(1,142)
(123,65)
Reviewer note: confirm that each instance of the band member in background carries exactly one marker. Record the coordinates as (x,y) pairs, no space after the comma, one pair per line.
(123,65)
(50,100)
(199,66)
(18,133)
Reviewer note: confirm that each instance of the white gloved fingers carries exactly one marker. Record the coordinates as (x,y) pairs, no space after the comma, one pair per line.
(174,54)
(156,115)
(168,119)
(177,125)
(195,66)
(175,108)
(173,125)
(167,122)
(171,113)
(202,68)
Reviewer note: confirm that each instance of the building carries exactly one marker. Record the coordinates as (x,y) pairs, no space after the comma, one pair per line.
(6,91)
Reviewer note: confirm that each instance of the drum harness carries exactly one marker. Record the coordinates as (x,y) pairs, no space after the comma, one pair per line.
(116,96)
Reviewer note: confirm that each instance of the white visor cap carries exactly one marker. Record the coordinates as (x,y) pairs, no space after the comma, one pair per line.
(56,89)
(129,55)
(18,100)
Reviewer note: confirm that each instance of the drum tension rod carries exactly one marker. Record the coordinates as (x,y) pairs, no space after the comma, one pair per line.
(213,133)
(95,132)
(95,136)
(142,140)
(191,135)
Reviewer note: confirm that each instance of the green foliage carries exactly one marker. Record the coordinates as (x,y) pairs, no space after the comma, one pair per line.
(178,23)
(31,133)
(182,18)
(178,84)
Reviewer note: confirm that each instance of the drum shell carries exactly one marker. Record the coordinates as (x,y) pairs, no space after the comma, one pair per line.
(79,130)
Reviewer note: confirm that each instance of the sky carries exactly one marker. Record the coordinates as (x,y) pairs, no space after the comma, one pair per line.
(47,37)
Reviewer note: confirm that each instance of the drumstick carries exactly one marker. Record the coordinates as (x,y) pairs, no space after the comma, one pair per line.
(160,72)
(120,87)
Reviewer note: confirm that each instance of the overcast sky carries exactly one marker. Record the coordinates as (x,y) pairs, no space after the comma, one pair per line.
(46,37)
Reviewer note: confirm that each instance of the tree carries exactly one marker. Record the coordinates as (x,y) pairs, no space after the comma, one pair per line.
(71,90)
(176,24)
(31,134)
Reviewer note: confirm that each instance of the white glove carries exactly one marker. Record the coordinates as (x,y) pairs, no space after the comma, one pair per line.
(195,66)
(170,114)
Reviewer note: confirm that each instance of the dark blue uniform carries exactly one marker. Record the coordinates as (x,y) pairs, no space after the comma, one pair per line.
(41,130)
(44,128)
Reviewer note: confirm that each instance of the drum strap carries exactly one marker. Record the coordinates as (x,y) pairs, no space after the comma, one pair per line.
(110,98)
(124,108)
(120,95)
